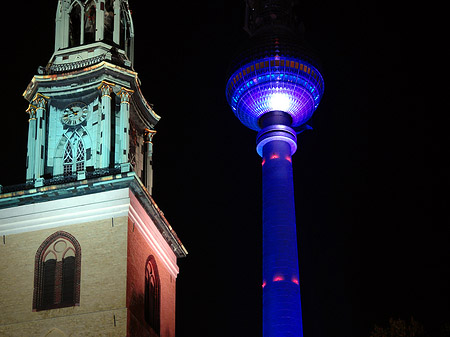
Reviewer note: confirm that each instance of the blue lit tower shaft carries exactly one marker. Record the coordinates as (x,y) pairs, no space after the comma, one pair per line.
(274,88)
(281,290)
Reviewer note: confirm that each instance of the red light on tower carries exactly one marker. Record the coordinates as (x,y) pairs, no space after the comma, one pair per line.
(278,278)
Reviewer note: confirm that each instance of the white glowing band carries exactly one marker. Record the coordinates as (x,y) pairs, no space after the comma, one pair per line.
(279,101)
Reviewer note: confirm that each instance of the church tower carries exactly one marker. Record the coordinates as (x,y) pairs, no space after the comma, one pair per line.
(85,249)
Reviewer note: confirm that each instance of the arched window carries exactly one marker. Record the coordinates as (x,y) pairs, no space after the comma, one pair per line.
(90,22)
(81,155)
(109,20)
(68,159)
(124,27)
(152,296)
(57,273)
(75,26)
(74,155)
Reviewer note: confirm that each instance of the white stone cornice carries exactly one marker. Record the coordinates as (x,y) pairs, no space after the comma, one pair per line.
(63,212)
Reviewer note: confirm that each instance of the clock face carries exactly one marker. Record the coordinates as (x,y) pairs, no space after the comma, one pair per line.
(74,113)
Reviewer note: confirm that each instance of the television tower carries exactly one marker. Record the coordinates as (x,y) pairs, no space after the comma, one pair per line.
(274,88)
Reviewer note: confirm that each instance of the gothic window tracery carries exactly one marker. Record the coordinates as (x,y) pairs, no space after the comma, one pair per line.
(74,155)
(133,145)
(57,272)
(80,156)
(68,159)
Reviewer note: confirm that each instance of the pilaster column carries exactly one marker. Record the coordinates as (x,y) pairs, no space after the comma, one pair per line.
(116,34)
(124,127)
(148,169)
(83,16)
(40,102)
(31,146)
(100,22)
(106,89)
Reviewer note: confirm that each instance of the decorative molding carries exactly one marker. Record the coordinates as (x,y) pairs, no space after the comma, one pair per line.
(32,112)
(87,77)
(148,135)
(39,101)
(67,67)
(106,88)
(125,95)
(63,212)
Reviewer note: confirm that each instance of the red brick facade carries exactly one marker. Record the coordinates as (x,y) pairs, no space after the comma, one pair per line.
(139,251)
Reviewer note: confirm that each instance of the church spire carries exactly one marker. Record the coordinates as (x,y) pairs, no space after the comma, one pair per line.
(91,31)
(88,116)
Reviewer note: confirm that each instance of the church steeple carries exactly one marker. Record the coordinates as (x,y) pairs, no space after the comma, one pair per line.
(104,254)
(92,31)
(88,116)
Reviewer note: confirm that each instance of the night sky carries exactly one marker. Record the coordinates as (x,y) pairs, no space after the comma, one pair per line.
(372,227)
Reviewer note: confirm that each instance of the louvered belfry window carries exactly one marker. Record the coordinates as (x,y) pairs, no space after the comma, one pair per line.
(152,296)
(57,273)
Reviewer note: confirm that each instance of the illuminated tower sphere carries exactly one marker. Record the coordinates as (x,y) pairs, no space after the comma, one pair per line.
(274,88)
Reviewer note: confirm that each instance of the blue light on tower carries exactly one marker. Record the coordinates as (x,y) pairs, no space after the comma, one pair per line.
(274,88)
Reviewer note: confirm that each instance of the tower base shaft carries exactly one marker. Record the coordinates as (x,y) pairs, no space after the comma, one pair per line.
(281,290)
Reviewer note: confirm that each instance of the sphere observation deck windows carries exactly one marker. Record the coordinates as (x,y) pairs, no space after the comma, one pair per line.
(251,88)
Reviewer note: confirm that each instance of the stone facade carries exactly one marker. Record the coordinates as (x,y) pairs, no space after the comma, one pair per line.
(103,283)
(114,250)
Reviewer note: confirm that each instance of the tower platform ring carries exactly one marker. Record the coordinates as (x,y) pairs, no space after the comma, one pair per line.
(276,132)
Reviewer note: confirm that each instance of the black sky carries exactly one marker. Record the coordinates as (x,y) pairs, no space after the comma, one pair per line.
(373,232)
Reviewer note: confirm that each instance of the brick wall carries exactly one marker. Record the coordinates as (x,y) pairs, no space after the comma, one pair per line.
(138,252)
(102,309)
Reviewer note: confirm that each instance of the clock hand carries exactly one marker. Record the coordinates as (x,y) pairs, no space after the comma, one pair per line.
(74,113)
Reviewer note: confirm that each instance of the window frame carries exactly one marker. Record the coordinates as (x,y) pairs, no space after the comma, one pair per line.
(76,161)
(152,315)
(39,273)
